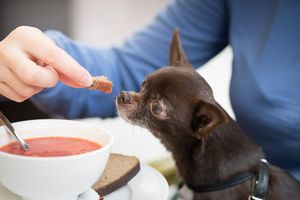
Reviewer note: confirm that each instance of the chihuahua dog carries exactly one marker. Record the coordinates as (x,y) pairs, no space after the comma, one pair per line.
(214,158)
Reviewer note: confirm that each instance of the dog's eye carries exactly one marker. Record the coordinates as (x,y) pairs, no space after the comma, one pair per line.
(156,108)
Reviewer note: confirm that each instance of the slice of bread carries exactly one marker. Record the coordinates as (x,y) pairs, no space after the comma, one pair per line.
(101,83)
(119,170)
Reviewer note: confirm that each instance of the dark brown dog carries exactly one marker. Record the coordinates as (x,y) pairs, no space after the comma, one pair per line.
(214,157)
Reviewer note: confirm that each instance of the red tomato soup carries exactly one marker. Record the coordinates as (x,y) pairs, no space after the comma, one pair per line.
(52,146)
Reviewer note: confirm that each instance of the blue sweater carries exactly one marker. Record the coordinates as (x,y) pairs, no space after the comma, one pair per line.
(264,90)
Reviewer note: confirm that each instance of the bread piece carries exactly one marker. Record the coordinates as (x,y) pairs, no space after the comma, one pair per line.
(119,170)
(101,83)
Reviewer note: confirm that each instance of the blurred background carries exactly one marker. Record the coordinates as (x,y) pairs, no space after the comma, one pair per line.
(102,23)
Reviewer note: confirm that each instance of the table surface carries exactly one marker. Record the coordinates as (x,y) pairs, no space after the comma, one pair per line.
(132,140)
(139,142)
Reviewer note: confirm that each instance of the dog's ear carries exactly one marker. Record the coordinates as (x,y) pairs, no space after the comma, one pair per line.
(177,55)
(207,117)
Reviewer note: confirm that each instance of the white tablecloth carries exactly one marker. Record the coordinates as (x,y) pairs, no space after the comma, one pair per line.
(132,140)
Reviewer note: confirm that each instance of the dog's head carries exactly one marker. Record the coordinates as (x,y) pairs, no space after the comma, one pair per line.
(173,100)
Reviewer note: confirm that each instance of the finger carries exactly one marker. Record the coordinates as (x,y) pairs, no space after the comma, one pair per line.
(9,93)
(16,84)
(67,81)
(31,73)
(39,46)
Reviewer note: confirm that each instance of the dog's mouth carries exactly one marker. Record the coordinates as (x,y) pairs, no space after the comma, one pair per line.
(125,110)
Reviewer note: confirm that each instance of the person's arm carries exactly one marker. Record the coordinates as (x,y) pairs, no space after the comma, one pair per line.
(203,26)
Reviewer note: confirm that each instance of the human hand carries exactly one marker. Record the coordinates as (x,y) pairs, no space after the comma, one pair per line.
(30,61)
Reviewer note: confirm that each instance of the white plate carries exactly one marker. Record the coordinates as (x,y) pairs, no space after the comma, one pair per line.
(148,184)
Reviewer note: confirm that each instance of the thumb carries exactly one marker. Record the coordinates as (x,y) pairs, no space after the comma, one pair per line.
(67,81)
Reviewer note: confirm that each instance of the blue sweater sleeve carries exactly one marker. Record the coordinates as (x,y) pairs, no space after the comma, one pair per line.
(203,25)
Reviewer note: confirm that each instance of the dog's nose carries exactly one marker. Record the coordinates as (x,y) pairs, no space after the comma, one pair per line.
(124,97)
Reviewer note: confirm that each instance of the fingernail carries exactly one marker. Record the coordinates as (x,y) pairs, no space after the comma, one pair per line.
(86,81)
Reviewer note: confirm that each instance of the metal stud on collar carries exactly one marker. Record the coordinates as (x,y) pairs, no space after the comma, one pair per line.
(251,197)
(260,184)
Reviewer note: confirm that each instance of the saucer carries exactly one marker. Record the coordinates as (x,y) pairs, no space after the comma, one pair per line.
(148,184)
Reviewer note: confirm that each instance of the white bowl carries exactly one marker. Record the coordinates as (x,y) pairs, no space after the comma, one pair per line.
(54,178)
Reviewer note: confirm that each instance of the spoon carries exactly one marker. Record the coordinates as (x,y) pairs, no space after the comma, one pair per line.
(11,131)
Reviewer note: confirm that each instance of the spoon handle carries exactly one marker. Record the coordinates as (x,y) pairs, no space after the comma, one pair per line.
(10,129)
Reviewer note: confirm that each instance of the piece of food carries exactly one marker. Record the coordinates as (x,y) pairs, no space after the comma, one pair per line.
(101,83)
(119,170)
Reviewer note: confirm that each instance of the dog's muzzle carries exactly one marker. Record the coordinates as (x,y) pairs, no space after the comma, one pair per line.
(124,98)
